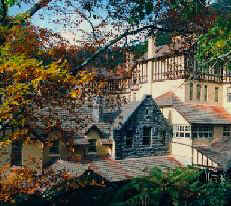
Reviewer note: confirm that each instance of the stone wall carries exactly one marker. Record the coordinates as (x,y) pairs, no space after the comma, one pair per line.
(140,119)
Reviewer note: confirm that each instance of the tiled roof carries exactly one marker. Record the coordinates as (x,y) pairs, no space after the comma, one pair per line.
(119,170)
(195,113)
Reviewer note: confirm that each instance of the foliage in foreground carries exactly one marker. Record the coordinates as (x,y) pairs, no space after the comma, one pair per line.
(173,187)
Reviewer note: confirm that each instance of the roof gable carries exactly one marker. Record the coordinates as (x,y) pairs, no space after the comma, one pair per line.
(130,109)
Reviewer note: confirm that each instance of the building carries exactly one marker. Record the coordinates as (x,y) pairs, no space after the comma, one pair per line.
(134,130)
(196,102)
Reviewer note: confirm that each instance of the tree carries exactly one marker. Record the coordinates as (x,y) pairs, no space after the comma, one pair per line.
(180,186)
(34,76)
(215,45)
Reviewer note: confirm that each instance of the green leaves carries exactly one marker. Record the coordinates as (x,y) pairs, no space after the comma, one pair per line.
(179,186)
(215,46)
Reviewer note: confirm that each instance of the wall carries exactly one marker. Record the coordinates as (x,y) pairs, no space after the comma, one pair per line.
(5,153)
(101,150)
(182,150)
(210,93)
(176,86)
(226,104)
(32,155)
(159,145)
(173,116)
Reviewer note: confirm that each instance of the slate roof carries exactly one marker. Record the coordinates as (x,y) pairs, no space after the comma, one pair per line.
(127,111)
(195,113)
(119,170)
(73,128)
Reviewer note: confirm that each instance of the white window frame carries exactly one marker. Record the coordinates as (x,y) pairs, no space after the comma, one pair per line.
(151,135)
(227,131)
(182,131)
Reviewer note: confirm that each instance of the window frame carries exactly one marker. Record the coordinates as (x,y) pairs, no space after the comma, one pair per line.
(191,91)
(91,145)
(198,91)
(205,93)
(54,149)
(216,94)
(182,131)
(227,131)
(202,132)
(229,94)
(149,136)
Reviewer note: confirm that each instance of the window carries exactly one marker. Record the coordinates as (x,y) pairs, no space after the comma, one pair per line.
(229,94)
(205,93)
(227,131)
(92,145)
(191,91)
(129,138)
(54,149)
(182,131)
(147,135)
(202,132)
(16,158)
(198,91)
(216,94)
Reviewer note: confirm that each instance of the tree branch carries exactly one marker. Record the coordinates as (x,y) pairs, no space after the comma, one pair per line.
(100,50)
(36,7)
(125,34)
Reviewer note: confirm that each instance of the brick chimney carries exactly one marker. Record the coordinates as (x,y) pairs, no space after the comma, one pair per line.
(97,111)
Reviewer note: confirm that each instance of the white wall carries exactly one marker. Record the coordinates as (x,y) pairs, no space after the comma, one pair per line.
(176,86)
(176,118)
(226,104)
(182,150)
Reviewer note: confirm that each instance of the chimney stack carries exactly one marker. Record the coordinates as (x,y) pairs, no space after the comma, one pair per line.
(97,111)
(151,46)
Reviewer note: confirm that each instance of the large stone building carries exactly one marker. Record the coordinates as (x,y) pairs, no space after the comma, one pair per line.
(196,102)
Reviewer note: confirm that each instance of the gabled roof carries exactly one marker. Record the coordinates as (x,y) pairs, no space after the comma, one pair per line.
(195,113)
(128,110)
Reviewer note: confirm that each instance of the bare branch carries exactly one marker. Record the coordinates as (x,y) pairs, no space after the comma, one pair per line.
(36,7)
